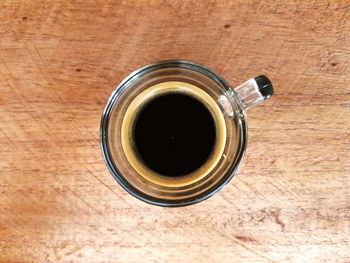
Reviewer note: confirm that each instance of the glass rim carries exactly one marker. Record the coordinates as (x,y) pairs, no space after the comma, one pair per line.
(104,133)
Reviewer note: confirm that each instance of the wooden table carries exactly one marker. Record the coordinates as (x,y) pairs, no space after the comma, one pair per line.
(60,61)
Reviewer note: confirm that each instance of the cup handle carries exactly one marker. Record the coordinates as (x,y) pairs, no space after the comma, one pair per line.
(254,91)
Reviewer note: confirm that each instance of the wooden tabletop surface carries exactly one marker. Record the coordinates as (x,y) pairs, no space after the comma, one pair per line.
(61,60)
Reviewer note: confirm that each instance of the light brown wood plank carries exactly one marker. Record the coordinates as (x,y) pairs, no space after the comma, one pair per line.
(60,61)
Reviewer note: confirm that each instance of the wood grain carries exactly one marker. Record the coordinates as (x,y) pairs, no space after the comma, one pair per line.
(60,61)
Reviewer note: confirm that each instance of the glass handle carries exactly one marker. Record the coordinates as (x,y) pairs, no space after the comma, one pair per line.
(254,91)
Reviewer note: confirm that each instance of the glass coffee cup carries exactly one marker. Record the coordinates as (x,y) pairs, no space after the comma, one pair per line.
(174,133)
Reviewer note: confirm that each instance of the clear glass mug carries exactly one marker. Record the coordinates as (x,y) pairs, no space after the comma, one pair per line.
(227,106)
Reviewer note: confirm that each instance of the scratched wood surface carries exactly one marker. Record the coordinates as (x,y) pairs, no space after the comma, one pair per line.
(60,61)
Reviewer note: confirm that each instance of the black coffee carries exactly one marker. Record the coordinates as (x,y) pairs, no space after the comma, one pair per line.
(174,134)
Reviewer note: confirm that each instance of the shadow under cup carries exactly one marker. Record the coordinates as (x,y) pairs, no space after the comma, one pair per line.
(165,159)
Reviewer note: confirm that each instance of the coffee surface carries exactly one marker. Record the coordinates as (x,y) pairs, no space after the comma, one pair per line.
(174,134)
